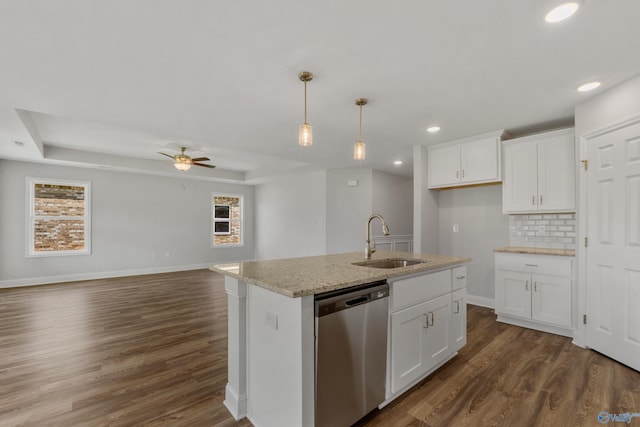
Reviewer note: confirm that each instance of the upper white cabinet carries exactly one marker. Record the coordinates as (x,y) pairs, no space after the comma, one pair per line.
(539,173)
(468,161)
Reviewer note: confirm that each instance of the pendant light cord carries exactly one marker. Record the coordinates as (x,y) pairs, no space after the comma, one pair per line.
(360,129)
(305,102)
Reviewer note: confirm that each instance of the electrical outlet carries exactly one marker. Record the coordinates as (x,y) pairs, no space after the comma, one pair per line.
(456,228)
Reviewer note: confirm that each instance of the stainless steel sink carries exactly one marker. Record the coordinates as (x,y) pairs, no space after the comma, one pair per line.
(390,263)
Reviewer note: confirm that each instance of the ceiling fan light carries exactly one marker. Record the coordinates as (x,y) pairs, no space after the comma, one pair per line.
(305,135)
(182,166)
(359,150)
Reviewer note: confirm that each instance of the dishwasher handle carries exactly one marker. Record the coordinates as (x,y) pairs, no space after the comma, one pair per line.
(357,301)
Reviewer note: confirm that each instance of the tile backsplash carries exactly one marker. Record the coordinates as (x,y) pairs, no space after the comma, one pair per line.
(555,231)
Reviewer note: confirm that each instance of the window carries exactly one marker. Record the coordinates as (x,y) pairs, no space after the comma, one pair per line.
(59,217)
(227,220)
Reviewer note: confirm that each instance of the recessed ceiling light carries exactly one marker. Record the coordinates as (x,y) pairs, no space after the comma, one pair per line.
(397,162)
(588,86)
(433,129)
(562,12)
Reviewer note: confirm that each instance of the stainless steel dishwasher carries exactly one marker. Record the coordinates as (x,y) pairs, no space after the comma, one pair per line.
(351,353)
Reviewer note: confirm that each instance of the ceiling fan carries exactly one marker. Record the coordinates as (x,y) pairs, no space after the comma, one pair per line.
(182,162)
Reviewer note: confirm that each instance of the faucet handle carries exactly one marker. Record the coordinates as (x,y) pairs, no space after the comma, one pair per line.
(373,246)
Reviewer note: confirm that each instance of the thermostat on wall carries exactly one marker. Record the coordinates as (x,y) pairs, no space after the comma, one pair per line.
(352,183)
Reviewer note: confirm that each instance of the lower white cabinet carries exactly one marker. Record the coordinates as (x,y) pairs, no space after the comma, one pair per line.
(428,324)
(534,291)
(459,319)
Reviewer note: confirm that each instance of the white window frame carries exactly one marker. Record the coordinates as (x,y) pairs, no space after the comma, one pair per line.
(31,217)
(214,220)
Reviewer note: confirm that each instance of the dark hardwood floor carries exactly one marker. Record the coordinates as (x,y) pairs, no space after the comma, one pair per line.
(151,350)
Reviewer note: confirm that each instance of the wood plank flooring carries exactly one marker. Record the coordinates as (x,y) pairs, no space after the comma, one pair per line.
(151,350)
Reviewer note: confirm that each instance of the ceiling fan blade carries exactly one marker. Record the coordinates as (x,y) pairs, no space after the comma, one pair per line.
(203,165)
(164,154)
(200,159)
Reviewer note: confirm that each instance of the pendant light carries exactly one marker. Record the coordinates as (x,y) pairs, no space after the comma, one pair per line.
(305,136)
(359,147)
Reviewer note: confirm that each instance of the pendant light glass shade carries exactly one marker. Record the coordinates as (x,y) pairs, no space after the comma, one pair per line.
(305,134)
(359,148)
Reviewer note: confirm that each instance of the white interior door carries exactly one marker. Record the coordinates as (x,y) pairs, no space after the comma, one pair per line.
(613,253)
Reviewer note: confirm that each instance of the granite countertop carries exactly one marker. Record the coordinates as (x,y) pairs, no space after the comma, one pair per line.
(536,251)
(297,277)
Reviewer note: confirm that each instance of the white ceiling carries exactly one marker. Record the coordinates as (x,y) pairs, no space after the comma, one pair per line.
(97,81)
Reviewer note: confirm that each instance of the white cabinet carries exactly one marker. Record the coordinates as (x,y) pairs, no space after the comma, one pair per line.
(459,319)
(539,173)
(470,161)
(428,324)
(534,291)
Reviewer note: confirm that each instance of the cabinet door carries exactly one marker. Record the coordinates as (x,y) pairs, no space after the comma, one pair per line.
(438,336)
(408,345)
(479,161)
(513,293)
(551,299)
(520,186)
(556,174)
(459,320)
(444,166)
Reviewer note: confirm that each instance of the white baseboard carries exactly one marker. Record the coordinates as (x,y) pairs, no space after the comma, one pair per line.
(481,301)
(33,281)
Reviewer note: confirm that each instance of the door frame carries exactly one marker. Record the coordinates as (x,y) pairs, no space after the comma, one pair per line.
(580,330)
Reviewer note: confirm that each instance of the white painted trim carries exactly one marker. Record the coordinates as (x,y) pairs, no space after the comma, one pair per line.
(237,406)
(33,281)
(481,301)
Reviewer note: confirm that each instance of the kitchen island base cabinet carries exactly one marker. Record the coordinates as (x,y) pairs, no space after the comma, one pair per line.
(427,334)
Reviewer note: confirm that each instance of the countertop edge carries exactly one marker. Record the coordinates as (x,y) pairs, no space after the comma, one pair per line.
(369,275)
(536,251)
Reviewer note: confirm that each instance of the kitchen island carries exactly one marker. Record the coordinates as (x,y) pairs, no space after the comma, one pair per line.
(271,325)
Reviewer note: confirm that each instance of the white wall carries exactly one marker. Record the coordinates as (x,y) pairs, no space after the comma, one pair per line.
(318,213)
(425,206)
(393,199)
(290,219)
(348,209)
(140,224)
(482,227)
(615,105)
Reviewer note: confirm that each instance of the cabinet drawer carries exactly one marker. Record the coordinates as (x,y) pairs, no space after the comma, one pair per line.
(551,265)
(459,277)
(417,289)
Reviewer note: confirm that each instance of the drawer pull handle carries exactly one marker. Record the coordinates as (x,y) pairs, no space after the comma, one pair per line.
(535,286)
(531,265)
(541,199)
(431,313)
(425,321)
(457,307)
(526,285)
(461,277)
(533,200)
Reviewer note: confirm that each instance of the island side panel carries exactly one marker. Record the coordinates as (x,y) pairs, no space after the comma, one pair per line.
(236,390)
(280,359)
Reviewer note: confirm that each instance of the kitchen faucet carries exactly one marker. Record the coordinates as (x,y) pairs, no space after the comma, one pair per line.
(368,250)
